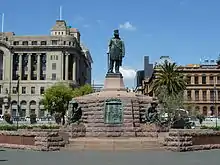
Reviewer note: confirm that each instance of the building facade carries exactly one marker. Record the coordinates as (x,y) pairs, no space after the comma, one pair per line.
(141,75)
(40,61)
(202,92)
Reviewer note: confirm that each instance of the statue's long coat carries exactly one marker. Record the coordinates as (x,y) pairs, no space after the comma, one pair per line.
(116,49)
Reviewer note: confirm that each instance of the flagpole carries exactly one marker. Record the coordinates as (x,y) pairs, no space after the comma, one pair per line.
(3,19)
(60,12)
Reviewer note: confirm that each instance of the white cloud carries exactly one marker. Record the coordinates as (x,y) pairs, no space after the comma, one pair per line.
(127,26)
(128,73)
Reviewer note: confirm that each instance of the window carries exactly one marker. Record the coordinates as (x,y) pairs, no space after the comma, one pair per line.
(218,95)
(43,77)
(212,95)
(203,79)
(23,90)
(32,90)
(14,90)
(54,42)
(197,95)
(25,43)
(218,80)
(211,80)
(64,42)
(34,42)
(43,42)
(204,95)
(16,43)
(54,76)
(53,57)
(54,66)
(188,79)
(196,78)
(41,90)
(189,95)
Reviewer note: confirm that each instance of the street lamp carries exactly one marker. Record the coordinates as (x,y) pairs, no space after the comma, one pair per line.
(18,101)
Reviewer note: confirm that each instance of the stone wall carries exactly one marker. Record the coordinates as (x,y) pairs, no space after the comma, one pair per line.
(29,139)
(192,140)
(73,130)
(93,117)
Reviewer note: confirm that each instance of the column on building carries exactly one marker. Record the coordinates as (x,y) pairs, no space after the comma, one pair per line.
(38,66)
(200,95)
(66,66)
(37,110)
(28,109)
(20,65)
(207,78)
(208,95)
(200,78)
(74,69)
(192,79)
(29,66)
(185,95)
(78,69)
(3,67)
(193,94)
(62,61)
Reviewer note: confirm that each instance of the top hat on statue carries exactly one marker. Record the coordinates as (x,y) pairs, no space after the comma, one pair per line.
(116,32)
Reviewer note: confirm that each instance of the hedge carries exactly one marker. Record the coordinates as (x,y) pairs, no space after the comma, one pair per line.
(14,127)
(213,128)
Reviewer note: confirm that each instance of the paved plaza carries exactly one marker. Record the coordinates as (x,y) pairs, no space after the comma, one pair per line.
(10,157)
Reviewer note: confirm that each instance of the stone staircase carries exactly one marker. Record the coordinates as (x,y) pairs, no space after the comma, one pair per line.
(114,144)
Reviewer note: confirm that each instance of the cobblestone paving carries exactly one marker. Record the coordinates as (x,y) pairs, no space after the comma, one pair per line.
(10,157)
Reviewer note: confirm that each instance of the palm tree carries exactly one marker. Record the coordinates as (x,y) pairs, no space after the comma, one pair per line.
(169,77)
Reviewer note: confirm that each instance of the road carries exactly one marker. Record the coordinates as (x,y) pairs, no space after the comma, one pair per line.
(10,157)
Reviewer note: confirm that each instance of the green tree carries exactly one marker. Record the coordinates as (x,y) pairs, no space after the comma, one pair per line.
(169,77)
(170,102)
(56,99)
(168,86)
(83,90)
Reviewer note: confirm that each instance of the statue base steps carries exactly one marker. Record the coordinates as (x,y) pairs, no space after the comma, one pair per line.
(111,144)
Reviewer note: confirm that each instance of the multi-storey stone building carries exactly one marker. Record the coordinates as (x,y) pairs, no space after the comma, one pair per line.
(202,93)
(40,61)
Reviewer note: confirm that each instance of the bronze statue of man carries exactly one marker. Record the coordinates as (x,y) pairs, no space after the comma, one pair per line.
(116,51)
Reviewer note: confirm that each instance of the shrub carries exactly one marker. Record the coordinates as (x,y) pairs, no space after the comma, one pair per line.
(213,128)
(33,118)
(7,127)
(7,118)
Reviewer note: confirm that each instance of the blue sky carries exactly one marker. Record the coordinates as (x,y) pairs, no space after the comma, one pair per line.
(186,30)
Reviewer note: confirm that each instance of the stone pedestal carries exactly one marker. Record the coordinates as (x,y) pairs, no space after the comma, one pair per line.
(113,112)
(114,82)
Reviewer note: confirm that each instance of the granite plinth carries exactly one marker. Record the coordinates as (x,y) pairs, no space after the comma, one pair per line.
(93,107)
(114,82)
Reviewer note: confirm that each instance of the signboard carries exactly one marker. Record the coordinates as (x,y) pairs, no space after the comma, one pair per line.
(113,111)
